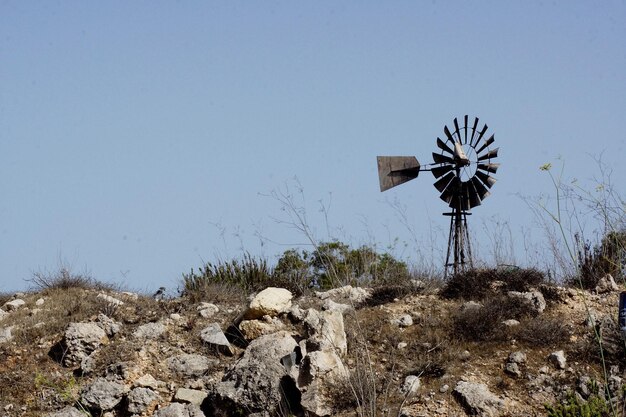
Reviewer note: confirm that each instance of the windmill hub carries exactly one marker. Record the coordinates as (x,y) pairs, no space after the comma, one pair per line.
(461,168)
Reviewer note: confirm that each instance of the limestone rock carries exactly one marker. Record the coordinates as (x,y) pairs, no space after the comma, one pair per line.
(606,284)
(40,302)
(179,410)
(271,302)
(109,299)
(149,331)
(213,336)
(141,400)
(355,295)
(326,330)
(518,357)
(66,412)
(558,359)
(102,395)
(321,364)
(534,299)
(14,304)
(404,320)
(148,381)
(333,306)
(191,396)
(478,400)
(3,314)
(411,385)
(254,383)
(189,365)
(252,329)
(207,310)
(5,334)
(80,340)
(511,323)
(110,326)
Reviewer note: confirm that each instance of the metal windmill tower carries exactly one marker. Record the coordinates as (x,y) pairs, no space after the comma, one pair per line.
(461,168)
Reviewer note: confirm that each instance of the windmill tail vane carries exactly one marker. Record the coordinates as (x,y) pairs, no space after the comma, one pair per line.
(461,166)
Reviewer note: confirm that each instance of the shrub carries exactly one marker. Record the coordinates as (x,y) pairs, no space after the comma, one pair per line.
(543,331)
(608,257)
(477,283)
(594,407)
(334,263)
(484,323)
(248,274)
(64,279)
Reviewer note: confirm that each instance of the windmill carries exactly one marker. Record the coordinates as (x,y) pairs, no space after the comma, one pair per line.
(462,167)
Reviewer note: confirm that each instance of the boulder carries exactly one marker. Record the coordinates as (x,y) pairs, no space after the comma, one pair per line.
(354,295)
(321,364)
(213,336)
(253,329)
(477,400)
(254,383)
(606,284)
(326,330)
(149,331)
(14,304)
(189,365)
(141,400)
(102,394)
(534,299)
(191,396)
(333,306)
(81,340)
(271,302)
(179,410)
(110,326)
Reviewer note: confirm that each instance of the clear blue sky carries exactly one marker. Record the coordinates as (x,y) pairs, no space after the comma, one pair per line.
(137,138)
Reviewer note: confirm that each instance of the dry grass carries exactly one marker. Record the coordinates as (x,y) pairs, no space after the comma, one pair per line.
(475,284)
(64,279)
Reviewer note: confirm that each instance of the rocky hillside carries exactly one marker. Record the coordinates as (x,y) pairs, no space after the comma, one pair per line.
(411,351)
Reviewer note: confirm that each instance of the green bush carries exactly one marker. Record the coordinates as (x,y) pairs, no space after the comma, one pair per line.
(594,407)
(248,274)
(334,263)
(331,264)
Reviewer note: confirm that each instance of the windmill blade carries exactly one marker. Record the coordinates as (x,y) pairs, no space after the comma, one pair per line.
(487,143)
(473,131)
(480,188)
(443,182)
(489,155)
(480,136)
(457,131)
(444,147)
(474,197)
(396,170)
(442,170)
(488,180)
(465,129)
(493,168)
(442,159)
(453,189)
(448,134)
